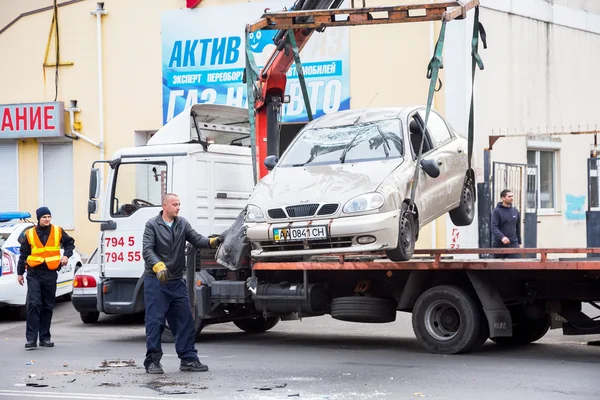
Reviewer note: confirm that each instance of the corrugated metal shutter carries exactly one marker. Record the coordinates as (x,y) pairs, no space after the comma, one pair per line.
(9,175)
(57,182)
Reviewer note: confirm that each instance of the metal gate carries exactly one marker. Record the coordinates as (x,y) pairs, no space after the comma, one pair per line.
(522,180)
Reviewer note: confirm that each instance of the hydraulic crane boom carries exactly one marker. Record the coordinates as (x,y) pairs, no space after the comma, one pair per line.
(307,17)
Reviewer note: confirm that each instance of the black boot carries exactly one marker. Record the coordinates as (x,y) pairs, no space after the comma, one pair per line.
(46,343)
(192,365)
(31,344)
(154,368)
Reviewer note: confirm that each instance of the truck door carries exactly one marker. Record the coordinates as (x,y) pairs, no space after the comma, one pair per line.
(135,189)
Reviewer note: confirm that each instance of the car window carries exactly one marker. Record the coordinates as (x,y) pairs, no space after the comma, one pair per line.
(346,144)
(437,128)
(93,258)
(3,238)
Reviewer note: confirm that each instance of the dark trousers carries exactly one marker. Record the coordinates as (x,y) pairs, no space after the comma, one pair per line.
(168,300)
(507,246)
(41,298)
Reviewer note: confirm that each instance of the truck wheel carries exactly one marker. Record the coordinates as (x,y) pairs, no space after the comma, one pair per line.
(464,214)
(526,331)
(256,325)
(407,235)
(89,317)
(363,309)
(447,320)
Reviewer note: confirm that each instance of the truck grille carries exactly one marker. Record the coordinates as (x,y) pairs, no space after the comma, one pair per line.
(276,213)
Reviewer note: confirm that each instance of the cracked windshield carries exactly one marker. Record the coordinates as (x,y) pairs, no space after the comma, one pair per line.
(346,144)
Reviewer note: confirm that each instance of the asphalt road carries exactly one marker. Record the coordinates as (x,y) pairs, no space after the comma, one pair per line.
(317,358)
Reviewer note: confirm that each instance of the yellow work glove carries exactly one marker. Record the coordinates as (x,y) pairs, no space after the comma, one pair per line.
(214,242)
(161,271)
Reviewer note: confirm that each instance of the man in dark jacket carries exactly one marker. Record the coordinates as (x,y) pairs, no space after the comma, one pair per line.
(40,253)
(165,292)
(506,225)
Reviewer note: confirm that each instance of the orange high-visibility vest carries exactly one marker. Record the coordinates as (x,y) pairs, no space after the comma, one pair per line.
(50,253)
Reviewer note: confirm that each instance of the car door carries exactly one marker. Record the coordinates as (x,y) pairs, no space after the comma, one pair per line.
(450,151)
(442,154)
(427,185)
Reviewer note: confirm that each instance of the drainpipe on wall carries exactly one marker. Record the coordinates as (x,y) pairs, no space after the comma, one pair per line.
(72,110)
(99,12)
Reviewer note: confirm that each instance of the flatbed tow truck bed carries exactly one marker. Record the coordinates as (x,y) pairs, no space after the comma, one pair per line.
(457,303)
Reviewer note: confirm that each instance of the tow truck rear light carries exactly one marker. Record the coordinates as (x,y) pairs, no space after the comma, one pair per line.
(84,281)
(7,264)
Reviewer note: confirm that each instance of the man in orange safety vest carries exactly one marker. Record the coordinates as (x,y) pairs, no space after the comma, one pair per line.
(40,254)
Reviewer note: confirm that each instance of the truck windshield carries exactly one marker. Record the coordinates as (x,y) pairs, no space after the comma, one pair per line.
(138,185)
(355,143)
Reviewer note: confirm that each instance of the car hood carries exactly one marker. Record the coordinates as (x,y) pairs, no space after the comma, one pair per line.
(335,183)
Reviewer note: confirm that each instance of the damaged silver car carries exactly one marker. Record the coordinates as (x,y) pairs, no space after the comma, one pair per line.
(343,185)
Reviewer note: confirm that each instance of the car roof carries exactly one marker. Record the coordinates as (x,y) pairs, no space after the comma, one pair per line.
(362,115)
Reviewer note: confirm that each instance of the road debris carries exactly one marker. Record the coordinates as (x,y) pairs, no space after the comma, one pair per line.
(117,363)
(419,394)
(37,385)
(294,395)
(31,375)
(72,380)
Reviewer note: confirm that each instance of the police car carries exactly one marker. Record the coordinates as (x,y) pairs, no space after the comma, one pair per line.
(13,295)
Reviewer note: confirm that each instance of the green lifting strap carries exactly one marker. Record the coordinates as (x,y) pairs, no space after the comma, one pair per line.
(478,29)
(292,43)
(251,76)
(432,73)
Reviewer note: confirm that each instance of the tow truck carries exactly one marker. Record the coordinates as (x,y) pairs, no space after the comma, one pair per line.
(457,304)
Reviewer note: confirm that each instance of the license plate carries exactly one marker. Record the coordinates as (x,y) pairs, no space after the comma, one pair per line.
(299,234)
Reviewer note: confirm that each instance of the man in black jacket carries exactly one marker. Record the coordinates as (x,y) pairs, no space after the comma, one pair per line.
(506,225)
(41,255)
(165,292)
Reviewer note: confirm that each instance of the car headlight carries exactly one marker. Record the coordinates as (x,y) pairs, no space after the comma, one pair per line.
(254,214)
(364,202)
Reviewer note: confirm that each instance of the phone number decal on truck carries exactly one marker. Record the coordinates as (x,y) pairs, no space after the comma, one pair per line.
(114,254)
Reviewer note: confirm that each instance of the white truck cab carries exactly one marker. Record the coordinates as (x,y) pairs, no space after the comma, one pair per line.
(203,155)
(13,295)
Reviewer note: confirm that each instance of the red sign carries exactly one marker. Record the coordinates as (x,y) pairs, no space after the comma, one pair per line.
(192,3)
(32,120)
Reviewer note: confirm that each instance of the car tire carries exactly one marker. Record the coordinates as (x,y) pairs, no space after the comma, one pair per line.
(89,317)
(406,237)
(448,320)
(464,214)
(22,312)
(363,309)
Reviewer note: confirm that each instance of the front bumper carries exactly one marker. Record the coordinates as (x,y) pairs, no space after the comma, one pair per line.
(342,236)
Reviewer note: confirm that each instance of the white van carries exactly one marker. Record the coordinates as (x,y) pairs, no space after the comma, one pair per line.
(203,155)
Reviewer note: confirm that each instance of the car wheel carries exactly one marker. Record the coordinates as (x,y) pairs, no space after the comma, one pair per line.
(464,214)
(406,238)
(89,317)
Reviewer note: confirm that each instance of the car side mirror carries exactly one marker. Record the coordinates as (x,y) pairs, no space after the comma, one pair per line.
(271,162)
(431,168)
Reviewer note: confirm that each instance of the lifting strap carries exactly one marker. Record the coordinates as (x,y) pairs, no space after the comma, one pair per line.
(478,29)
(433,70)
(432,73)
(250,78)
(291,40)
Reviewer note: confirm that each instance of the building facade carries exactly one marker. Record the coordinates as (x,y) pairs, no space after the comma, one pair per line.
(122,73)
